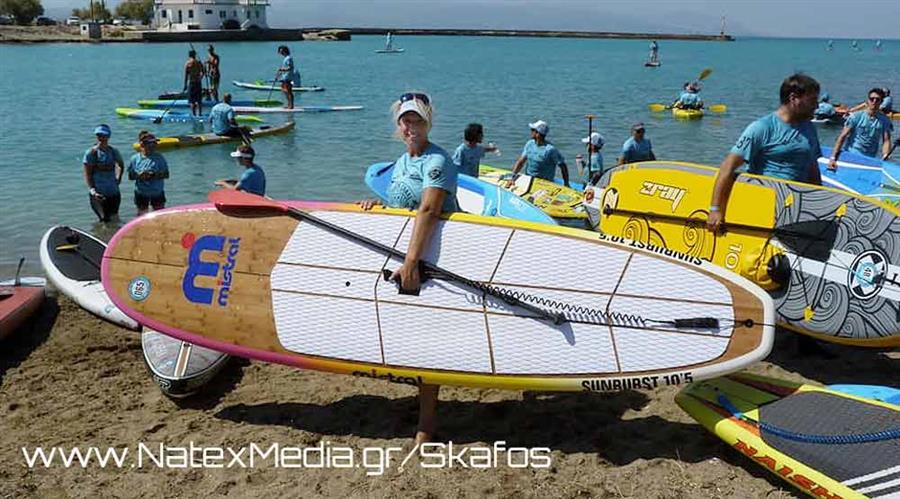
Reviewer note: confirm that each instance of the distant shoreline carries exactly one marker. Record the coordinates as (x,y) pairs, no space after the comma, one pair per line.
(111,34)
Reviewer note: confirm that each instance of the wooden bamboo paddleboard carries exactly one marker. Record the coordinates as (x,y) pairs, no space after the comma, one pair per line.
(266,286)
(830,259)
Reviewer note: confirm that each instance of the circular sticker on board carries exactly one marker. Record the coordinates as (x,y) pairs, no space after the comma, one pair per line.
(139,288)
(866,274)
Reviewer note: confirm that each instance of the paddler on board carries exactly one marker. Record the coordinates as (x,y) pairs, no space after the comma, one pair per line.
(424,179)
(689,97)
(223,122)
(783,144)
(540,157)
(866,130)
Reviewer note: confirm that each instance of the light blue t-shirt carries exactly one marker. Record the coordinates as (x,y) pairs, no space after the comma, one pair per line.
(867,132)
(774,148)
(634,151)
(152,163)
(689,100)
(287,67)
(411,176)
(221,117)
(888,104)
(825,109)
(253,180)
(541,161)
(104,163)
(468,159)
(596,166)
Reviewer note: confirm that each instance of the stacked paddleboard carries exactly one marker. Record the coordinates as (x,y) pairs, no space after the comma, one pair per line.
(307,287)
(861,174)
(174,116)
(207,104)
(472,195)
(825,442)
(830,259)
(71,258)
(556,200)
(261,85)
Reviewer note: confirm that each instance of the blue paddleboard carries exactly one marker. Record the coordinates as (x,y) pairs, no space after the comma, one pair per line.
(862,174)
(473,195)
(883,393)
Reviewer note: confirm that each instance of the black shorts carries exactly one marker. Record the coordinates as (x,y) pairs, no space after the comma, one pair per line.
(143,202)
(195,91)
(232,132)
(106,207)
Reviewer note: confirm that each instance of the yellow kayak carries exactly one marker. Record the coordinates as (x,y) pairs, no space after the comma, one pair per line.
(687,114)
(556,200)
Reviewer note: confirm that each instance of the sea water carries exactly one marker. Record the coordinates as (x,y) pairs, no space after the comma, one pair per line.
(52,96)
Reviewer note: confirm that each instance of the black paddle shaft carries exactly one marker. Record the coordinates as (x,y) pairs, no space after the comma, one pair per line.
(428,267)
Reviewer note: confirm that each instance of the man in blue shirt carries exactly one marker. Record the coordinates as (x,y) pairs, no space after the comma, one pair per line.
(222,120)
(467,156)
(541,158)
(103,167)
(286,75)
(783,144)
(637,147)
(253,180)
(149,170)
(865,129)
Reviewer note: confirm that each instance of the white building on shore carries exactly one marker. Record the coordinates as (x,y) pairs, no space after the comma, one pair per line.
(183,15)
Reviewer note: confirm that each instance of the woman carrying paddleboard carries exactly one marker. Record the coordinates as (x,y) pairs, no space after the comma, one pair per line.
(103,167)
(424,178)
(783,144)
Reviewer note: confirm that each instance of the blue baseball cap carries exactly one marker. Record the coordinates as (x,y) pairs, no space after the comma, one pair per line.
(102,130)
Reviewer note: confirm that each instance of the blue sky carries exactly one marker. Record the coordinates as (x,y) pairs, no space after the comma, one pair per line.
(779,18)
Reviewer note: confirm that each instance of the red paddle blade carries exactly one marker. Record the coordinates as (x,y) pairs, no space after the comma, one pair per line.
(228,198)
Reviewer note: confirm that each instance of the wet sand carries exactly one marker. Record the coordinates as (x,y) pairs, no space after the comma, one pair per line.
(71,379)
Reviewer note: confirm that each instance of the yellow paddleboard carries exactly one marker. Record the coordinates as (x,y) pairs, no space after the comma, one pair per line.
(830,259)
(556,200)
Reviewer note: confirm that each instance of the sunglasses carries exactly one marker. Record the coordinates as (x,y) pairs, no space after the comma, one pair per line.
(414,95)
(639,130)
(874,99)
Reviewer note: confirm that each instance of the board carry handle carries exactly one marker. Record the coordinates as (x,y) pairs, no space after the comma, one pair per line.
(423,276)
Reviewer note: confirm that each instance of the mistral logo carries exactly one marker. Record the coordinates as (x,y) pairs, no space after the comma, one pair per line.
(212,267)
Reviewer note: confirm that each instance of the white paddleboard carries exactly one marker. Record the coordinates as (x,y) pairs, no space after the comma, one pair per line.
(298,109)
(178,367)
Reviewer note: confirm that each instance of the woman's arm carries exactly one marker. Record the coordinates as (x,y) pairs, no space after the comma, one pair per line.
(423,228)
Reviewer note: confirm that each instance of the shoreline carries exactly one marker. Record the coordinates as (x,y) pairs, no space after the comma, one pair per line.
(116,34)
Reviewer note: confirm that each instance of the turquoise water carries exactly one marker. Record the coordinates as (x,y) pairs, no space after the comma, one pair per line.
(52,96)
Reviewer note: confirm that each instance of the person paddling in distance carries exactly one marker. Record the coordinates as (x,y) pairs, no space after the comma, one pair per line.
(149,170)
(593,169)
(865,129)
(783,144)
(253,180)
(286,75)
(424,178)
(193,82)
(103,167)
(825,110)
(540,157)
(212,71)
(467,156)
(222,120)
(637,147)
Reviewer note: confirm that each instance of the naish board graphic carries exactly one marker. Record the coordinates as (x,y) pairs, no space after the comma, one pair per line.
(824,442)
(830,259)
(304,284)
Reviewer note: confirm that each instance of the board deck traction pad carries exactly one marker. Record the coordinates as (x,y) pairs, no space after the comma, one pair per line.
(331,309)
(824,299)
(867,468)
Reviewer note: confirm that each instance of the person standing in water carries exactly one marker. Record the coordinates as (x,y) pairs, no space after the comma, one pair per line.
(424,179)
(212,70)
(637,147)
(467,156)
(103,167)
(149,170)
(193,82)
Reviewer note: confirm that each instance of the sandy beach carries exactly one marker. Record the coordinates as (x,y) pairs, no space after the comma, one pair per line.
(69,379)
